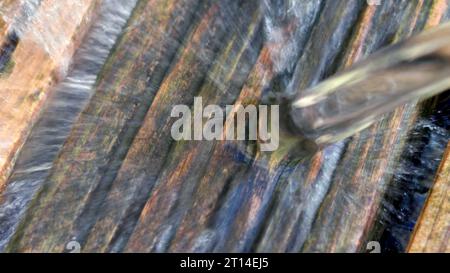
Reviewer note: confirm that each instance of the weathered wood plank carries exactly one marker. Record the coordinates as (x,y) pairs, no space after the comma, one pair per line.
(125,89)
(34,57)
(199,174)
(349,211)
(141,169)
(122,184)
(432,233)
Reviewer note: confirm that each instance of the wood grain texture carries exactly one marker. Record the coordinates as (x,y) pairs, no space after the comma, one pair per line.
(361,178)
(34,57)
(138,64)
(7,8)
(121,183)
(432,233)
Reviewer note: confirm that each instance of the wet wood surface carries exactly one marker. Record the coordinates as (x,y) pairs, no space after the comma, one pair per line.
(121,183)
(432,233)
(36,44)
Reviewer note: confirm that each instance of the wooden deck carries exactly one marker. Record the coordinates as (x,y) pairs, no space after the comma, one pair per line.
(120,182)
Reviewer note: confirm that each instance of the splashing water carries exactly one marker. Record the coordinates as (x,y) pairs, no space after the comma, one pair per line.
(19,20)
(62,109)
(287,27)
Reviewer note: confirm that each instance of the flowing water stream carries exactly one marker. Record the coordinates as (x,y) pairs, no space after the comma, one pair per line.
(260,194)
(68,99)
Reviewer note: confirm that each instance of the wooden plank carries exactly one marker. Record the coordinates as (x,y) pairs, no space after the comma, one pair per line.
(432,232)
(7,8)
(356,192)
(35,56)
(124,91)
(151,148)
(122,184)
